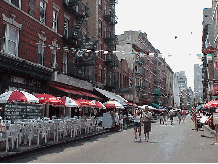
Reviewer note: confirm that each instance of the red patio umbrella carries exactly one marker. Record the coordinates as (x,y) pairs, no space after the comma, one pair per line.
(18,96)
(113,104)
(85,102)
(98,104)
(48,99)
(213,103)
(68,102)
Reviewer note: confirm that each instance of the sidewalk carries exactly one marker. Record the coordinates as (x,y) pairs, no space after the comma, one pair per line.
(24,150)
(206,127)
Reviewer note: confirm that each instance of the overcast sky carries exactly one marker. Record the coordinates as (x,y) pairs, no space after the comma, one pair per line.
(162,20)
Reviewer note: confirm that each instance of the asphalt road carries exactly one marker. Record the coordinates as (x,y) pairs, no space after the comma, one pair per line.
(168,143)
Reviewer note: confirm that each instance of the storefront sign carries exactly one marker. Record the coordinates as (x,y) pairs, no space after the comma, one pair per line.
(25,81)
(74,82)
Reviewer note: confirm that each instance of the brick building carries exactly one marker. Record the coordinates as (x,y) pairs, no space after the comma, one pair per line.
(58,47)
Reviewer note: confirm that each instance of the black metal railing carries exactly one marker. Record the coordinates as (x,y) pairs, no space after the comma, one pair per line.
(79,9)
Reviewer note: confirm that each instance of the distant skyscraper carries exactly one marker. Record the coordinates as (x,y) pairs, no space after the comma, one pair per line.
(198,87)
(179,87)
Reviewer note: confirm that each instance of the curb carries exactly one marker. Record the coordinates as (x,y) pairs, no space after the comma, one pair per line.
(212,131)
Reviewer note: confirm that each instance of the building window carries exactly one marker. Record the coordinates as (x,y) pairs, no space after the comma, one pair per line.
(105,77)
(16,3)
(53,58)
(105,31)
(65,64)
(100,74)
(55,21)
(100,48)
(40,53)
(100,27)
(110,79)
(42,11)
(105,9)
(100,4)
(66,27)
(11,40)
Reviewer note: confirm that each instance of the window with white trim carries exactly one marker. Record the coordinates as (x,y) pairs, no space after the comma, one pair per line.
(65,63)
(40,52)
(105,76)
(66,27)
(53,58)
(100,4)
(100,74)
(11,40)
(16,3)
(55,20)
(42,11)
(100,27)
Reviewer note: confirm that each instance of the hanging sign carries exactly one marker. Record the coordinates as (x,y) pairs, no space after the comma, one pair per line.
(209,50)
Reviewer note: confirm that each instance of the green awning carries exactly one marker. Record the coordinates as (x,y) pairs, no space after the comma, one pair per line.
(155,105)
(157,92)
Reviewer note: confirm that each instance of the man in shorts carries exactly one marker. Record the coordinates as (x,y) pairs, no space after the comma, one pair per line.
(183,115)
(171,113)
(146,119)
(137,125)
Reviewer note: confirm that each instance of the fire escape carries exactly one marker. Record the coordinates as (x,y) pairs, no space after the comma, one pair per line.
(110,39)
(81,11)
(80,63)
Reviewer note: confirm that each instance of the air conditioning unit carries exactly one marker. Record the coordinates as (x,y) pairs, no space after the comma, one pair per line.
(54,76)
(54,65)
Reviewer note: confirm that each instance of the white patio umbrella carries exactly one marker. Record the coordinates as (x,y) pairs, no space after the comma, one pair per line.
(18,96)
(113,104)
(69,102)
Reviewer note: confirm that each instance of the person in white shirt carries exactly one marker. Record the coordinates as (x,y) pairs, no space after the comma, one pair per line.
(121,121)
(171,113)
(137,125)
(146,119)
(116,120)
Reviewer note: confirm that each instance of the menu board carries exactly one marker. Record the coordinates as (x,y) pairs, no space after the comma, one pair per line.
(21,111)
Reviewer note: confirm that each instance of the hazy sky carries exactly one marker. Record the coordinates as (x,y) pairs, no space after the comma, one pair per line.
(162,20)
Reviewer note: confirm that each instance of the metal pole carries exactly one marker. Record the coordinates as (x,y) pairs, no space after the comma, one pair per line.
(216,135)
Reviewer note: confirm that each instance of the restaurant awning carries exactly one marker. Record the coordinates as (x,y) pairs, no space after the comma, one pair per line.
(67,90)
(111,95)
(155,105)
(75,92)
(89,94)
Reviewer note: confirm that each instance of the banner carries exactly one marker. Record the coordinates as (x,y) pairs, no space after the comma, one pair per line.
(216,64)
(193,114)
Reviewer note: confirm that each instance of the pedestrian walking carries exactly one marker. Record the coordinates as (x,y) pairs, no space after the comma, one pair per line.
(137,125)
(116,120)
(121,121)
(146,119)
(164,116)
(125,121)
(179,115)
(161,117)
(183,112)
(171,114)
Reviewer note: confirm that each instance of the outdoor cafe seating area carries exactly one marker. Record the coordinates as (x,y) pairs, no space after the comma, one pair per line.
(23,119)
(40,131)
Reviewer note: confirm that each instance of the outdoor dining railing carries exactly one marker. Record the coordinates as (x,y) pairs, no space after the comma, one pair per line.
(36,131)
